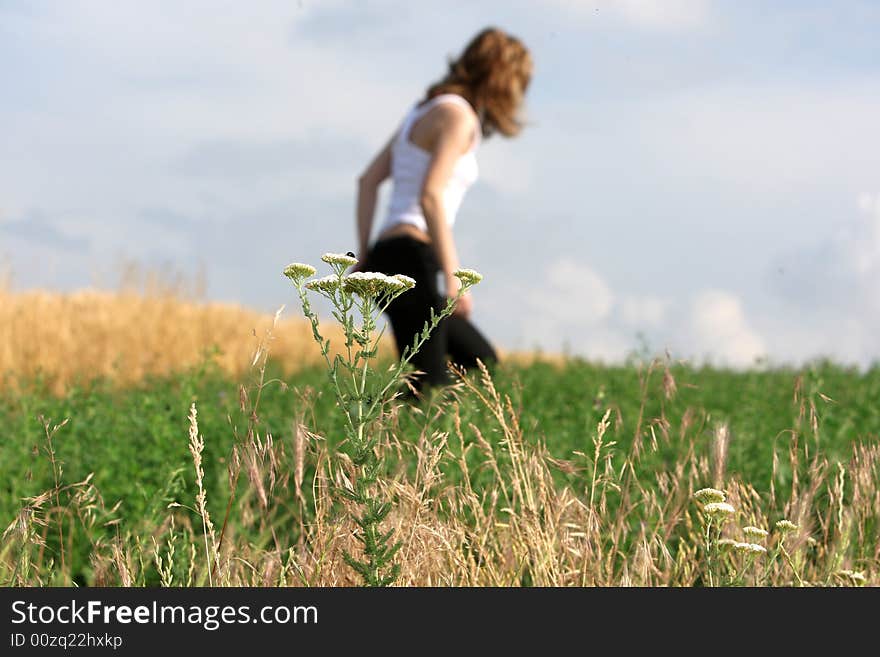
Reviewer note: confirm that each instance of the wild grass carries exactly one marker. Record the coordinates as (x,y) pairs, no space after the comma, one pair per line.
(479,504)
(518,485)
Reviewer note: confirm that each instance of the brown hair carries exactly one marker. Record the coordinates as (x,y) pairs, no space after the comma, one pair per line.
(492,74)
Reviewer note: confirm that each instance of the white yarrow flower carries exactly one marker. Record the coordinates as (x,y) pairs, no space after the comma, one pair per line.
(468,277)
(726,542)
(719,509)
(296,271)
(755,532)
(327,284)
(749,548)
(786,526)
(406,280)
(393,284)
(372,284)
(708,495)
(339,259)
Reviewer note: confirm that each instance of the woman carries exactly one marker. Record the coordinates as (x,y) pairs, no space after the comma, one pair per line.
(432,162)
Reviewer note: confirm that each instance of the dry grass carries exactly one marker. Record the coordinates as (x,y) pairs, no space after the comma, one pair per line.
(128,335)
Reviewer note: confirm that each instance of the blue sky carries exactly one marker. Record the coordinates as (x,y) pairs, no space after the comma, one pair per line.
(702,173)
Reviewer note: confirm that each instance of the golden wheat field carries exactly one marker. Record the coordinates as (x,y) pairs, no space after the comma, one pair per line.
(126,335)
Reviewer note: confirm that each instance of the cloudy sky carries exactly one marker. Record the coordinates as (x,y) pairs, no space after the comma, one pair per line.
(701,176)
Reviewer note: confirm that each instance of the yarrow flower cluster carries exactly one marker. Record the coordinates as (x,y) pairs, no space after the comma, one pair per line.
(468,276)
(296,271)
(406,280)
(719,509)
(373,284)
(327,284)
(786,526)
(709,495)
(341,259)
(749,548)
(755,532)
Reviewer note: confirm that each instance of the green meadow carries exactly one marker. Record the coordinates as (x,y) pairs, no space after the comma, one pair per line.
(759,427)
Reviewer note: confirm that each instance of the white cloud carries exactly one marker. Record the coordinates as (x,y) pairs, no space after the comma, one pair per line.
(830,291)
(842,271)
(598,341)
(644,311)
(571,292)
(574,308)
(570,309)
(864,240)
(717,327)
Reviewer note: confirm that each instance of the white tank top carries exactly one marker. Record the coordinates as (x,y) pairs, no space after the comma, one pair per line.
(409,165)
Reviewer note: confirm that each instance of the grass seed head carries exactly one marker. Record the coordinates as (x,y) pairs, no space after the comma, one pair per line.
(853,575)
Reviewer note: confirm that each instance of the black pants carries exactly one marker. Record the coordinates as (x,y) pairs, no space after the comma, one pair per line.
(454,336)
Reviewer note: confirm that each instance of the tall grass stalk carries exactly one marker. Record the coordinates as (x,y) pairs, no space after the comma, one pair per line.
(196,447)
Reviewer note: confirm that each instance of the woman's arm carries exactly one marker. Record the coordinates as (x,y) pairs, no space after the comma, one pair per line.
(368,184)
(455,133)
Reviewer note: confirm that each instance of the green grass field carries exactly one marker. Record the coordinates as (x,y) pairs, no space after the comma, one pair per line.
(134,441)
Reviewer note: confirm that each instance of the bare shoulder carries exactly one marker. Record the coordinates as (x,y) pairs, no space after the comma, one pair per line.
(453,114)
(453,123)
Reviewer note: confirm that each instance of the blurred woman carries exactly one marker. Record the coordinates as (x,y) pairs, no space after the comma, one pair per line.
(432,162)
